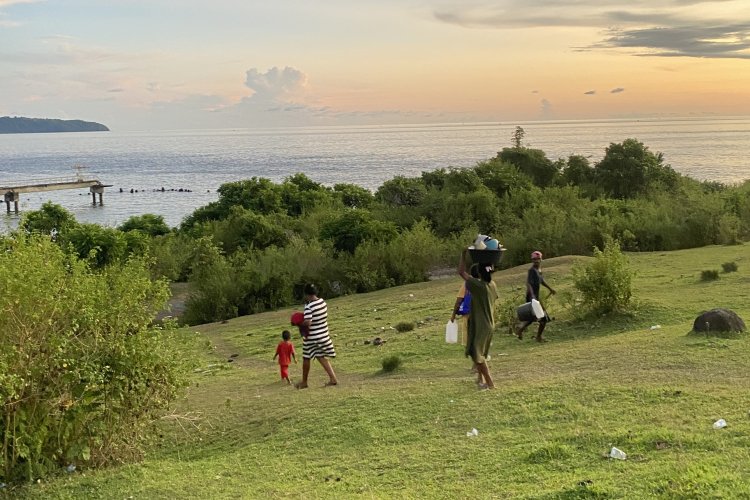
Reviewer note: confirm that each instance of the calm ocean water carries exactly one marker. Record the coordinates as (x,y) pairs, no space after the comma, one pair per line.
(201,160)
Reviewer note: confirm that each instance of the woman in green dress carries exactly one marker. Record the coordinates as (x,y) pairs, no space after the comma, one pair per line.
(481,318)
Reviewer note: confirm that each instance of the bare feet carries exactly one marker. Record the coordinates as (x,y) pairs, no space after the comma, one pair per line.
(331,383)
(300,385)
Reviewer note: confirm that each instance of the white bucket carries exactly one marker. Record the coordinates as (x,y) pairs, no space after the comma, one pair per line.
(537,309)
(451,332)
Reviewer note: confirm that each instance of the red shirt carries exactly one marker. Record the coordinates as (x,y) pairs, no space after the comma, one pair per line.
(284,351)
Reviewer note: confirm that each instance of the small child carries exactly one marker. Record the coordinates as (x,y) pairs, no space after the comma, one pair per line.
(285,352)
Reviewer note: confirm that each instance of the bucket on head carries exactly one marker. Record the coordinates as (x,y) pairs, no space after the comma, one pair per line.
(530,311)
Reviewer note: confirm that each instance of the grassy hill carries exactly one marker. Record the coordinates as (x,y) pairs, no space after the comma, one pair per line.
(543,433)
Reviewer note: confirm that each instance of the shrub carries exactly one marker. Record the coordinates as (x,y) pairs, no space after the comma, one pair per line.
(606,283)
(82,372)
(391,363)
(729,267)
(404,326)
(709,275)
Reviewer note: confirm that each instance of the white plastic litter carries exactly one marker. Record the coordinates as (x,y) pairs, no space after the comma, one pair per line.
(617,453)
(472,432)
(720,424)
(655,327)
(451,332)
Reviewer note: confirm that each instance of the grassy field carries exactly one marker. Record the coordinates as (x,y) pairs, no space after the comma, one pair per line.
(543,433)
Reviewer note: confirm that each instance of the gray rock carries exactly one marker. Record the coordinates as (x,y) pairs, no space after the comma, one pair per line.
(718,320)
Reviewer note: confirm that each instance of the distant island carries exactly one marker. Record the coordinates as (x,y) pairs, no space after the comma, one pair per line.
(20,125)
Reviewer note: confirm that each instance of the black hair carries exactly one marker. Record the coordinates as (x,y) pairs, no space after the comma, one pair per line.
(311,289)
(286,335)
(485,274)
(474,271)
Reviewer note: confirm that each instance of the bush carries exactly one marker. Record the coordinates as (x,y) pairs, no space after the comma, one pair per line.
(391,363)
(709,275)
(404,326)
(606,283)
(82,372)
(729,267)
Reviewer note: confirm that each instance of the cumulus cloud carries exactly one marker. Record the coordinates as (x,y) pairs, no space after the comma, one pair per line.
(666,28)
(590,92)
(617,90)
(275,84)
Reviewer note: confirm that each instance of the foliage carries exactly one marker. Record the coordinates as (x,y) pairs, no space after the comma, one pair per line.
(630,168)
(729,267)
(51,219)
(517,137)
(709,275)
(391,363)
(353,196)
(532,162)
(401,191)
(215,292)
(99,245)
(404,326)
(352,227)
(150,224)
(83,372)
(605,283)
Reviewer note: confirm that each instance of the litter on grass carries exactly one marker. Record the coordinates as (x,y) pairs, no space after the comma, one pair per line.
(617,453)
(472,432)
(720,424)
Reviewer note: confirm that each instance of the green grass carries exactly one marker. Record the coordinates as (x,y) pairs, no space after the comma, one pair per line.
(543,433)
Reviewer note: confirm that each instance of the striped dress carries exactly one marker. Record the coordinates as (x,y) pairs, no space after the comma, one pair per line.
(318,343)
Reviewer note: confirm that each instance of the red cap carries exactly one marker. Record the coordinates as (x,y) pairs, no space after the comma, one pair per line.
(536,254)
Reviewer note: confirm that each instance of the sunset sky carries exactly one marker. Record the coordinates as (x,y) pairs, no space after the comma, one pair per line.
(168,64)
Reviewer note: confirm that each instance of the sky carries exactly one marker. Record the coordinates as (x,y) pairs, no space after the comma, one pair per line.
(181,64)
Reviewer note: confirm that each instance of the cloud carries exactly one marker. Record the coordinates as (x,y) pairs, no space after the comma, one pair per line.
(717,41)
(590,92)
(8,3)
(275,84)
(534,91)
(546,109)
(665,28)
(117,90)
(617,90)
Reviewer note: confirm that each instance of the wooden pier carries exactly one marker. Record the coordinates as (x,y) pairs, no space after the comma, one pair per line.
(12,194)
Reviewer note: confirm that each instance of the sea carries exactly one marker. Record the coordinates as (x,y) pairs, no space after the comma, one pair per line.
(171,173)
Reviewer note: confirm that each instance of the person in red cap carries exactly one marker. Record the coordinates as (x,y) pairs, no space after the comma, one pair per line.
(534,280)
(285,352)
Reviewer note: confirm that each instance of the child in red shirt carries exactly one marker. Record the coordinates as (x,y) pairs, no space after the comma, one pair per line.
(285,352)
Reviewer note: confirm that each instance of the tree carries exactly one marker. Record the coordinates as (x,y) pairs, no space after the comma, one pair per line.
(401,191)
(353,196)
(517,138)
(150,224)
(49,219)
(629,168)
(532,162)
(352,227)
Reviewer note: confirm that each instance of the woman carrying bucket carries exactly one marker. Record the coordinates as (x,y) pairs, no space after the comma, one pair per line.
(533,281)
(481,317)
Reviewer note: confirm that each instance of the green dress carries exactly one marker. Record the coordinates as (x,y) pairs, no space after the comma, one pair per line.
(481,318)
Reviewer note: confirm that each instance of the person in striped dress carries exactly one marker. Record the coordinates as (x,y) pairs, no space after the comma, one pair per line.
(317,344)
